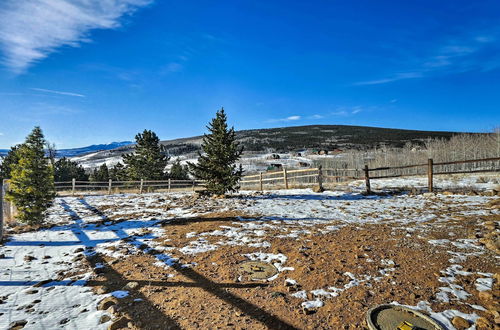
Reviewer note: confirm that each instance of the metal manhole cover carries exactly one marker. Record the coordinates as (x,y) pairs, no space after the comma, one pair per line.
(257,270)
(390,317)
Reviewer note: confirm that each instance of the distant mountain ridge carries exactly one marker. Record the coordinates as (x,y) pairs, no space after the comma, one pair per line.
(266,140)
(285,139)
(73,152)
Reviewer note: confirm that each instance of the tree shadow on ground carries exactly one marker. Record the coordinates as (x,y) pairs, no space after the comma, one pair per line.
(316,197)
(192,220)
(116,280)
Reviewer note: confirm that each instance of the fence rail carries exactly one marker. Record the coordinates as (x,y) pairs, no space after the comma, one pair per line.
(430,166)
(286,178)
(271,180)
(73,187)
(298,178)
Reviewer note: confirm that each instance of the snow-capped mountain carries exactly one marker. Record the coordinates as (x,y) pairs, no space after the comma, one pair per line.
(73,152)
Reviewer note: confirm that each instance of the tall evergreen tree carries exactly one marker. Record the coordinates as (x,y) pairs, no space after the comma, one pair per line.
(66,170)
(217,163)
(32,180)
(178,172)
(118,173)
(148,161)
(11,158)
(100,174)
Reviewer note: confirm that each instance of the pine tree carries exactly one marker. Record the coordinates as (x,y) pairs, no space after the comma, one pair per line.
(118,173)
(66,170)
(217,164)
(32,180)
(178,172)
(5,167)
(100,174)
(148,161)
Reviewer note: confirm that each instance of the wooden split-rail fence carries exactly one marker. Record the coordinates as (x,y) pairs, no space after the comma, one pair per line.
(318,176)
(111,186)
(282,179)
(431,169)
(286,179)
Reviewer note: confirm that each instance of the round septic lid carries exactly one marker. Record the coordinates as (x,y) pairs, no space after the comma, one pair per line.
(390,317)
(257,270)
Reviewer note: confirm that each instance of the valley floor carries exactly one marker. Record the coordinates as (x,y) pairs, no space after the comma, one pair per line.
(159,261)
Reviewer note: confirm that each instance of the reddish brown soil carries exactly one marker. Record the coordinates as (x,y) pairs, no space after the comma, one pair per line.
(209,296)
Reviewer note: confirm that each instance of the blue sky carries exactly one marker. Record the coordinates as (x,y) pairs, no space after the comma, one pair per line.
(95,71)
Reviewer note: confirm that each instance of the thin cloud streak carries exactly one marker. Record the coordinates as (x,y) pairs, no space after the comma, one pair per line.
(340,111)
(399,76)
(32,30)
(172,67)
(290,118)
(349,111)
(57,92)
(455,56)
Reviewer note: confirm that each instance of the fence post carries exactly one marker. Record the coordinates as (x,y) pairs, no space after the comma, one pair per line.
(320,177)
(194,185)
(73,186)
(430,175)
(1,211)
(367,180)
(141,186)
(260,181)
(168,184)
(109,186)
(285,177)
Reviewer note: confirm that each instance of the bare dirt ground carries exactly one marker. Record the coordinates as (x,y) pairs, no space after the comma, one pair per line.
(337,256)
(387,263)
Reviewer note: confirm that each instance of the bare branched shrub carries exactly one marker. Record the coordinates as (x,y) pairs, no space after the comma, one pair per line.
(459,147)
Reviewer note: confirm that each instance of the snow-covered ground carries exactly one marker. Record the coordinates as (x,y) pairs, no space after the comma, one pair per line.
(444,182)
(81,228)
(251,163)
(90,162)
(33,284)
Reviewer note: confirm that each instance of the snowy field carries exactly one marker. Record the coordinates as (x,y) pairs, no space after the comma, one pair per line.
(46,276)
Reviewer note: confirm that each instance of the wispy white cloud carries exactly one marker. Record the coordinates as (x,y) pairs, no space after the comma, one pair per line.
(30,30)
(48,109)
(290,118)
(396,77)
(1,134)
(461,54)
(346,111)
(37,111)
(339,111)
(57,92)
(172,67)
